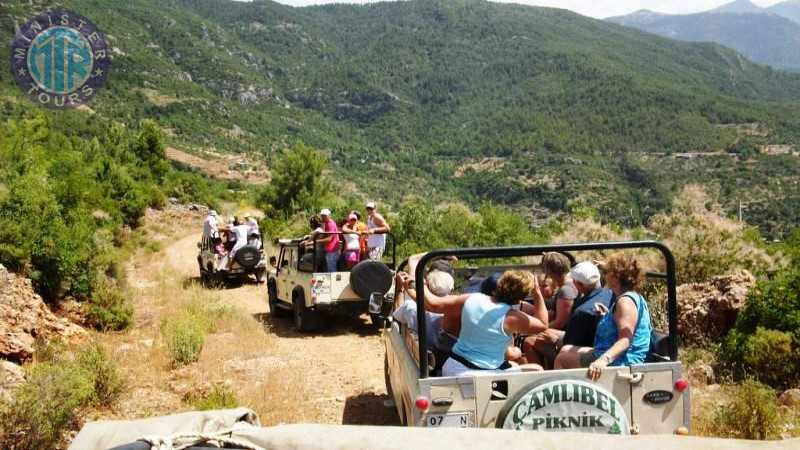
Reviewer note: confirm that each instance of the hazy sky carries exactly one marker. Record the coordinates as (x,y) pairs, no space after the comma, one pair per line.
(594,8)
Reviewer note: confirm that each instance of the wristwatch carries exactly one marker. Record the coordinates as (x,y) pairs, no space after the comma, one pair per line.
(608,358)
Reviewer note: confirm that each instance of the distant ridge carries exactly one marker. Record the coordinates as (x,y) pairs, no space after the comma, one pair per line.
(739,6)
(768,36)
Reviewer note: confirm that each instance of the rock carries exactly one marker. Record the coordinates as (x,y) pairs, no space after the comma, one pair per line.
(707,311)
(701,373)
(24,317)
(11,378)
(146,343)
(791,398)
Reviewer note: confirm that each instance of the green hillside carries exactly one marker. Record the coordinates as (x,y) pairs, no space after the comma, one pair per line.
(531,107)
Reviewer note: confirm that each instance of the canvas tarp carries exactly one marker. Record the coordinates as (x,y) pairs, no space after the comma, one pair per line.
(102,435)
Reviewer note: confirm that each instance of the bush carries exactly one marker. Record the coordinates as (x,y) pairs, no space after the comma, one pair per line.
(184,336)
(103,374)
(221,397)
(109,309)
(766,338)
(57,392)
(706,243)
(753,414)
(768,353)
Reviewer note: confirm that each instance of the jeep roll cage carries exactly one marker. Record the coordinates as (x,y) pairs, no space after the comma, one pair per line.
(341,246)
(534,250)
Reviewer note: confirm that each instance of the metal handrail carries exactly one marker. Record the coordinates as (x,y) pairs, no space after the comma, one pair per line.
(342,249)
(532,250)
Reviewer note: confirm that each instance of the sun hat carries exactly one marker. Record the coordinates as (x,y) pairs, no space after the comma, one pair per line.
(440,283)
(585,273)
(213,213)
(325,212)
(352,217)
(370,205)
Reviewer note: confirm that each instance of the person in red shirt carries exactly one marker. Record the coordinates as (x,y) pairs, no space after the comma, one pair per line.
(331,241)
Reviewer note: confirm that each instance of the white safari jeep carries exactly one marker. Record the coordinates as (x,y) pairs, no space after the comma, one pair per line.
(300,286)
(649,398)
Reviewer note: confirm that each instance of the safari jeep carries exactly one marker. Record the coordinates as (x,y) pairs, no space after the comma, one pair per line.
(649,398)
(300,286)
(248,260)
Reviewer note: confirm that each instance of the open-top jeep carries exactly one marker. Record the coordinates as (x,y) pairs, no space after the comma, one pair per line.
(299,284)
(215,268)
(649,398)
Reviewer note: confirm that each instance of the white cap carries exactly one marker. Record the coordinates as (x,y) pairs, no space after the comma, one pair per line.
(212,213)
(370,205)
(585,273)
(440,283)
(247,215)
(325,212)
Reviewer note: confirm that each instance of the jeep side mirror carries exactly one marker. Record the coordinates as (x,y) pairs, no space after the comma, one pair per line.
(200,245)
(273,261)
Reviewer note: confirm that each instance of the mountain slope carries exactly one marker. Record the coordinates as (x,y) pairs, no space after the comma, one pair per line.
(412,97)
(739,7)
(789,9)
(765,38)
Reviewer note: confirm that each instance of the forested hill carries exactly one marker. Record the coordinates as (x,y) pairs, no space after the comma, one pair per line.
(532,107)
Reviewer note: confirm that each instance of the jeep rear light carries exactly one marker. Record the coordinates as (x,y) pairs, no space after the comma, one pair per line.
(682,384)
(422,403)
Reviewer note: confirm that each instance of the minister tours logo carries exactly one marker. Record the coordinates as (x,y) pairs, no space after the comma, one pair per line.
(60,59)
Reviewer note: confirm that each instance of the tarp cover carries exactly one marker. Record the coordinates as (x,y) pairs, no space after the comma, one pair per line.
(102,435)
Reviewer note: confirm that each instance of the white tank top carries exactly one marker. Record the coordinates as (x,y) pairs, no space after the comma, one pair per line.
(375,240)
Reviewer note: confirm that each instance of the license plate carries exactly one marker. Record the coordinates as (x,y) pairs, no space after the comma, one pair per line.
(460,420)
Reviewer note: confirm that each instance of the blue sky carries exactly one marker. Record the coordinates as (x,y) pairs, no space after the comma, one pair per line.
(594,8)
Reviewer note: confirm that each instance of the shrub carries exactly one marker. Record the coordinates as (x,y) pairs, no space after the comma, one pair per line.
(766,338)
(768,353)
(103,374)
(221,397)
(705,242)
(57,392)
(753,414)
(109,309)
(185,335)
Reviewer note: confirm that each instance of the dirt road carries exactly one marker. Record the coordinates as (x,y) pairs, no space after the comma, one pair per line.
(332,376)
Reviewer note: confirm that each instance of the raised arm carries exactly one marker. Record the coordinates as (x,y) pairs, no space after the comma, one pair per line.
(381,226)
(519,322)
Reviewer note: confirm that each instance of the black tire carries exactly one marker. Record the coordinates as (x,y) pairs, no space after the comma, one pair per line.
(368,277)
(272,298)
(248,256)
(304,318)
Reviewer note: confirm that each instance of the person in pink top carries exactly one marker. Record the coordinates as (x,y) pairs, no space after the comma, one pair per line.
(331,240)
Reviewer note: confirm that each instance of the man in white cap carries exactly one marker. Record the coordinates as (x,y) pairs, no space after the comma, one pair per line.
(587,309)
(331,241)
(251,222)
(583,317)
(377,227)
(210,230)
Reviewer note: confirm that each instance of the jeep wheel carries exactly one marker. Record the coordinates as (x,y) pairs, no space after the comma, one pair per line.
(274,309)
(304,318)
(370,277)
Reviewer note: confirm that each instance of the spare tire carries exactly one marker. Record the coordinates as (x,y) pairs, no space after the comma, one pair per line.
(248,256)
(370,276)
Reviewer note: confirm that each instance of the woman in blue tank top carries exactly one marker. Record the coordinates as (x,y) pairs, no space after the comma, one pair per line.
(623,334)
(487,323)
